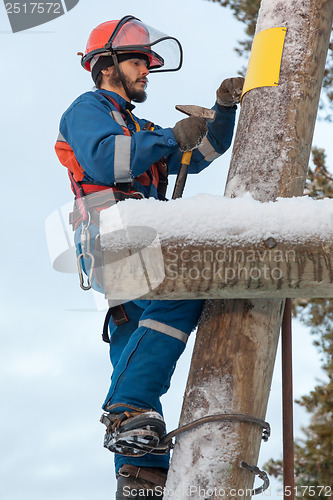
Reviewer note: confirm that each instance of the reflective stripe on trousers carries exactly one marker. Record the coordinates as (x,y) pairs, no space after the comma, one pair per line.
(166,329)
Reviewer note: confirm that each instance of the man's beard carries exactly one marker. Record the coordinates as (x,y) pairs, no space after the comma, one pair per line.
(132,93)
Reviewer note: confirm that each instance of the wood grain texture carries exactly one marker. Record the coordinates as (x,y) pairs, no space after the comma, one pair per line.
(234,355)
(205,271)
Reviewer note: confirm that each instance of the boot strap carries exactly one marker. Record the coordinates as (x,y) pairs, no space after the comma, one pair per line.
(113,421)
(151,474)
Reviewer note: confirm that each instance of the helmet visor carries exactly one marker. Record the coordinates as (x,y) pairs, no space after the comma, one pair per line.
(164,52)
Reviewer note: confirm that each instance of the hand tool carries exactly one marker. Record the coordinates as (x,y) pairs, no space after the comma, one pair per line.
(190,110)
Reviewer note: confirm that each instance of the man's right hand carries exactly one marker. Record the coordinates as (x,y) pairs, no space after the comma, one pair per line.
(189,132)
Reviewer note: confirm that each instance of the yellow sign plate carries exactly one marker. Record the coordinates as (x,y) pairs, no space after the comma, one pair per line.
(265,59)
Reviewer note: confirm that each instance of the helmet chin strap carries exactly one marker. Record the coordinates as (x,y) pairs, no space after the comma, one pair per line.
(120,73)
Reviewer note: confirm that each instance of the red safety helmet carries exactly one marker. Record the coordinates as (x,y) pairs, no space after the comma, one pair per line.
(130,35)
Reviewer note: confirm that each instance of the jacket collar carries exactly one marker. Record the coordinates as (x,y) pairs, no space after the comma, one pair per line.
(120,100)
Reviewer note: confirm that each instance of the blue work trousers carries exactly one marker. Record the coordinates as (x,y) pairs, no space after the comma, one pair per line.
(144,353)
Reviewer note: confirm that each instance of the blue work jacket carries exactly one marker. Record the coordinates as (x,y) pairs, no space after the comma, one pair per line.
(109,156)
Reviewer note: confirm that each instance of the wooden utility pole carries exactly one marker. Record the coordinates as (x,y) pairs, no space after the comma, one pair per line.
(236,343)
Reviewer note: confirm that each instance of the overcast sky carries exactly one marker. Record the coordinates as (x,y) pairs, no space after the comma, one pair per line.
(54,367)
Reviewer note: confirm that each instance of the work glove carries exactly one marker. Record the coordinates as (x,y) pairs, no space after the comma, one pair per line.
(230,91)
(190,132)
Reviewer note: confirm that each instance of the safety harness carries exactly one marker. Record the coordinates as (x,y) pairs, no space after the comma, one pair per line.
(91,198)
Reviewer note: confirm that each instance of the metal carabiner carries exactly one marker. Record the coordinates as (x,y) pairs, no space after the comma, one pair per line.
(90,256)
(85,238)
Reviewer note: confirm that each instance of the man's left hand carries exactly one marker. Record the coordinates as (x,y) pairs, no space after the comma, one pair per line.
(230,91)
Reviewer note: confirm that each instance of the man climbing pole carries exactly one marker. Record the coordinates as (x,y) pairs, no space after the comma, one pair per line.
(107,148)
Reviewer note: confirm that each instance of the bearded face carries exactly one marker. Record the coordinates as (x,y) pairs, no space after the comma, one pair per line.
(135,73)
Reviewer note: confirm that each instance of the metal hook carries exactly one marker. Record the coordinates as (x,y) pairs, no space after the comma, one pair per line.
(90,256)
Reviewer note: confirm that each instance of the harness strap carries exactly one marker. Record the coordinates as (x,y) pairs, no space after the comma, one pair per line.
(118,116)
(153,475)
(119,317)
(80,199)
(113,101)
(162,168)
(97,201)
(90,187)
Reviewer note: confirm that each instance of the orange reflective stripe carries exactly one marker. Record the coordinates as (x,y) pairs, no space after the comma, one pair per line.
(67,159)
(137,126)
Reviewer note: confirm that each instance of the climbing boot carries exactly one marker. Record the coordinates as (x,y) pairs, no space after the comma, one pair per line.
(140,482)
(134,433)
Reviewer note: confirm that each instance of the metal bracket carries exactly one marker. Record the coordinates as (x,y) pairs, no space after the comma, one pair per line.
(257,472)
(219,417)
